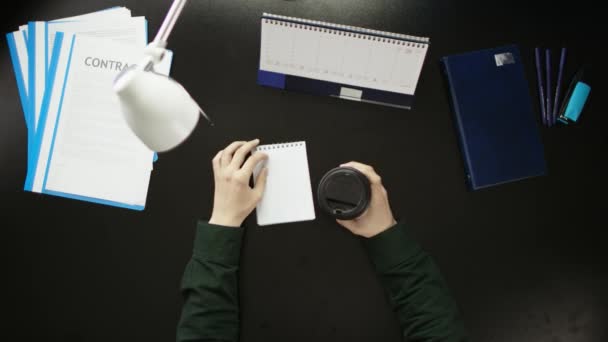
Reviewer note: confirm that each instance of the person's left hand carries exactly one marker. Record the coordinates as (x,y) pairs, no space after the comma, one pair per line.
(234,199)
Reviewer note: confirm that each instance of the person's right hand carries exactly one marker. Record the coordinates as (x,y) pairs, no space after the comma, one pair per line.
(378,216)
(234,199)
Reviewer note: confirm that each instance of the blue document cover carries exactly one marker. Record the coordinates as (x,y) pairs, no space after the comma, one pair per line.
(493,111)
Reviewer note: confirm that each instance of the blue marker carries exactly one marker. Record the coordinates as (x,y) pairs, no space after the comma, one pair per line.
(558,85)
(541,90)
(549,104)
(575,99)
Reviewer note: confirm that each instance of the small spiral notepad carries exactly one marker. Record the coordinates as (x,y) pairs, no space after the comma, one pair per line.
(288,193)
(338,60)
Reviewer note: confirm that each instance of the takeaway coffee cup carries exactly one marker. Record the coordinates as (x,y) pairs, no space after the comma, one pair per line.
(344,193)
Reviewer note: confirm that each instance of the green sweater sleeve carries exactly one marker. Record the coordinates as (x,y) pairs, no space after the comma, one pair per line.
(416,290)
(210,286)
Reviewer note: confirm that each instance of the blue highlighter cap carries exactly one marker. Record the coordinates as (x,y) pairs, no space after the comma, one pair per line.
(577,101)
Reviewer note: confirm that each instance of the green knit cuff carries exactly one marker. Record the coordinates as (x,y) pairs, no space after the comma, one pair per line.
(391,247)
(218,243)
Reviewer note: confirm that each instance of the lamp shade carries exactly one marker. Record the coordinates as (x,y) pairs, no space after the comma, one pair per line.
(158,109)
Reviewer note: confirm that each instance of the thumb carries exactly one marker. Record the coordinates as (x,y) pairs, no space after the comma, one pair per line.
(260,182)
(345,223)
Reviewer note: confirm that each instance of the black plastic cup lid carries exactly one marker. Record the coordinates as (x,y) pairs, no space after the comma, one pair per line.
(344,193)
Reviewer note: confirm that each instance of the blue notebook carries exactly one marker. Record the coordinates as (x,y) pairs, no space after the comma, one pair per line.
(493,111)
(347,62)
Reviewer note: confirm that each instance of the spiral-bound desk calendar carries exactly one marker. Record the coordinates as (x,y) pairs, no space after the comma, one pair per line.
(337,60)
(288,193)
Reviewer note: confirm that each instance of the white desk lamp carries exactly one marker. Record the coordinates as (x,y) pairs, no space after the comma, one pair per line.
(157,108)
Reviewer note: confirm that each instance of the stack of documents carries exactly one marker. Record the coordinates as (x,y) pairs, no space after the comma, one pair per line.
(79,145)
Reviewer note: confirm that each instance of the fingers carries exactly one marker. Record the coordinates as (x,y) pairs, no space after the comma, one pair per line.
(367,170)
(260,182)
(227,153)
(252,162)
(241,153)
(216,161)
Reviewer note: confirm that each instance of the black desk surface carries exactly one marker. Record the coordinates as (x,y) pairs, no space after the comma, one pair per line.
(526,261)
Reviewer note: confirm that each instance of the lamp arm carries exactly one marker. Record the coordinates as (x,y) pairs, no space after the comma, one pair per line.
(155,49)
(170,19)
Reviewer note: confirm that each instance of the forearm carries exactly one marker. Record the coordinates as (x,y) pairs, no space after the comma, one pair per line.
(416,290)
(210,286)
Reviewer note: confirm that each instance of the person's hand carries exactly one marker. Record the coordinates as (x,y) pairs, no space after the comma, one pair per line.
(378,216)
(234,199)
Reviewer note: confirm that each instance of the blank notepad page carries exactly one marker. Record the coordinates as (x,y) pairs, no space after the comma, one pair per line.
(288,193)
(342,54)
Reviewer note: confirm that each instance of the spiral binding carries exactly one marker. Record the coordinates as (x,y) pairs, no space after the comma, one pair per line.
(280,146)
(342,30)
